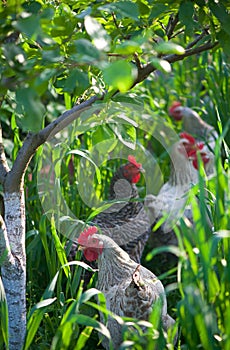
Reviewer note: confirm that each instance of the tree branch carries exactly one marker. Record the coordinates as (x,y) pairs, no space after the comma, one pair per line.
(13,181)
(144,72)
(197,39)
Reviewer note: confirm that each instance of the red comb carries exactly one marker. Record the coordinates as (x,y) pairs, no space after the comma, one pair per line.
(198,147)
(174,105)
(132,160)
(188,137)
(83,238)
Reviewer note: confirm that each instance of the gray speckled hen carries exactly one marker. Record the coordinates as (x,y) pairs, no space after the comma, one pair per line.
(130,289)
(198,128)
(173,195)
(126,222)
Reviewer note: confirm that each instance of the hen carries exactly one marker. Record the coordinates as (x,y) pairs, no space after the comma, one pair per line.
(172,197)
(198,128)
(130,289)
(126,222)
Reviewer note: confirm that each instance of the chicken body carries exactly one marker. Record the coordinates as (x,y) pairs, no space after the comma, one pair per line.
(130,289)
(172,197)
(198,128)
(126,222)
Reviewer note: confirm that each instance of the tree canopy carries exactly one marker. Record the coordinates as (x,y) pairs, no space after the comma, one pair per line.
(51,51)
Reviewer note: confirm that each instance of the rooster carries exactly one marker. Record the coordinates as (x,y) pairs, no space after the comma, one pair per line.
(126,221)
(172,197)
(198,128)
(130,289)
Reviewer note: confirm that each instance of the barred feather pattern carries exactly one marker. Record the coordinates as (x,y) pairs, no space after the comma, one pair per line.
(130,289)
(126,222)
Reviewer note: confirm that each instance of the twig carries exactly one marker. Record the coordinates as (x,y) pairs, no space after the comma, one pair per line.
(197,39)
(115,21)
(171,25)
(177,33)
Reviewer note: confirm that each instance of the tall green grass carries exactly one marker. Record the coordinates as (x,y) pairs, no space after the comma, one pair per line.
(63,316)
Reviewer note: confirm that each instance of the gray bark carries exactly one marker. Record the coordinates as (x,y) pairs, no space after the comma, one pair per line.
(14,267)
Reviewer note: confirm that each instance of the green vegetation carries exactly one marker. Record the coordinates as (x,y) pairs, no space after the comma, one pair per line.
(56,54)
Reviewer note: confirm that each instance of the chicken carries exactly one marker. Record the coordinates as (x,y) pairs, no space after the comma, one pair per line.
(198,128)
(126,222)
(172,197)
(130,289)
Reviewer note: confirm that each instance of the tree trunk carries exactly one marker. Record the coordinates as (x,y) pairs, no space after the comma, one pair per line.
(14,268)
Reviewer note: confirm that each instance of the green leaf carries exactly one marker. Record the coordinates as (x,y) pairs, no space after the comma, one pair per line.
(103,138)
(4,315)
(126,133)
(123,8)
(84,336)
(157,9)
(41,82)
(186,11)
(128,48)
(29,25)
(143,8)
(120,75)
(29,104)
(162,65)
(84,155)
(44,303)
(224,39)
(98,34)
(88,294)
(88,321)
(84,51)
(77,82)
(220,11)
(59,248)
(51,55)
(168,47)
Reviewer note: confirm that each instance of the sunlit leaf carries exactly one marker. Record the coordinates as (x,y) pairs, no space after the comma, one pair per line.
(120,75)
(128,47)
(98,34)
(168,47)
(162,65)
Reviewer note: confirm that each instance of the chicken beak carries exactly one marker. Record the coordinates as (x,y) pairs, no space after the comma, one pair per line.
(142,170)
